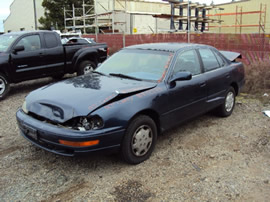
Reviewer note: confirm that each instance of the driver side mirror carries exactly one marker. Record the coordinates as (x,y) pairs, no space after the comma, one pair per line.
(18,49)
(181,76)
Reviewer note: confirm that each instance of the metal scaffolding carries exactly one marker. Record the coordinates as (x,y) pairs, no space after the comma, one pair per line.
(110,16)
(238,25)
(70,16)
(103,21)
(186,17)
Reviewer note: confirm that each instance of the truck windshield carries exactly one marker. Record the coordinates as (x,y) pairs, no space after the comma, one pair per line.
(6,40)
(139,64)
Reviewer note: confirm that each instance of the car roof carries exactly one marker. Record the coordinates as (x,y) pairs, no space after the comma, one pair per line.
(28,32)
(169,47)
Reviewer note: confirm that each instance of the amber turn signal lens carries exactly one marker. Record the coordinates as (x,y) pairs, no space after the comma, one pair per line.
(79,144)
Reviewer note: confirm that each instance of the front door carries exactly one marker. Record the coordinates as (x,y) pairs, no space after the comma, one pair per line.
(28,63)
(186,99)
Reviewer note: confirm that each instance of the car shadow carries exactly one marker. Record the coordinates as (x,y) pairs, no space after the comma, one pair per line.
(203,120)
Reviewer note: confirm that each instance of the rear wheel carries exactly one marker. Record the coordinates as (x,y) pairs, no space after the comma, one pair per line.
(139,140)
(86,67)
(4,86)
(227,107)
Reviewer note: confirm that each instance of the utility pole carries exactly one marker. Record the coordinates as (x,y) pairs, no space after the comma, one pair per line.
(188,11)
(35,14)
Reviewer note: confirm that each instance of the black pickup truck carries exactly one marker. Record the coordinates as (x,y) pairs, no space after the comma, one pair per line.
(31,55)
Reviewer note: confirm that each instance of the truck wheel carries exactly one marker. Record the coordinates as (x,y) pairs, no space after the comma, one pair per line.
(4,86)
(139,140)
(86,67)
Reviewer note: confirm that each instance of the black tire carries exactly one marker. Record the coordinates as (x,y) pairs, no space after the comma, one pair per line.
(142,130)
(4,86)
(227,107)
(85,67)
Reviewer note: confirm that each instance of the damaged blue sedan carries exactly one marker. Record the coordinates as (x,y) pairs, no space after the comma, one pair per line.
(136,94)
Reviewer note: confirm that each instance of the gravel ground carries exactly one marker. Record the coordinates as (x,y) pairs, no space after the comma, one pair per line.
(207,159)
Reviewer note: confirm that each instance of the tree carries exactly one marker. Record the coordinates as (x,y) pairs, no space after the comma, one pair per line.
(54,12)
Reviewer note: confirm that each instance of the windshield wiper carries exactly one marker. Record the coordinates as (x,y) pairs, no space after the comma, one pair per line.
(99,73)
(125,76)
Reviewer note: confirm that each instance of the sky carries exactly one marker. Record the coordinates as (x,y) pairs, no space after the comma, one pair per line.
(4,12)
(4,8)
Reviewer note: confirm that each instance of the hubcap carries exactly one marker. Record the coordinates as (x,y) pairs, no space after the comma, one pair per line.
(229,102)
(88,69)
(142,140)
(2,86)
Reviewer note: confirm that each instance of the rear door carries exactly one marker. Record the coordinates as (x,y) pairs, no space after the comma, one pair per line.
(30,62)
(54,53)
(187,98)
(217,76)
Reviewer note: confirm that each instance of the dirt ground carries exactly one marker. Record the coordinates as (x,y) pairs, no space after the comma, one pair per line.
(207,159)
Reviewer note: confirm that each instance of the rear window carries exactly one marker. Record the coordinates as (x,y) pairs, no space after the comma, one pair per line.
(209,59)
(51,40)
(220,60)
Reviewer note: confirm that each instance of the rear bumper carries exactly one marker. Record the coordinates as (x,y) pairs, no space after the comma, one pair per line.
(46,136)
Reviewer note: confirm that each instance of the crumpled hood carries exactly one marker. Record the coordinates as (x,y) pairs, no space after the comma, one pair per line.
(80,96)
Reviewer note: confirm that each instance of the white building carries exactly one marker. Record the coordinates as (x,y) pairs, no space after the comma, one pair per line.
(123,16)
(22,15)
(130,16)
(138,18)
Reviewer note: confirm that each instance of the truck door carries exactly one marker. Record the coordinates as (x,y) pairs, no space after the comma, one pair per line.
(54,53)
(29,62)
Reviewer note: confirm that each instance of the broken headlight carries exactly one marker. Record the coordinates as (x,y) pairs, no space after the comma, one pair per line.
(24,108)
(87,123)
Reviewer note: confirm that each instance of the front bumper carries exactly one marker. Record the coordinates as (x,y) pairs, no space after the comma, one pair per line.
(47,136)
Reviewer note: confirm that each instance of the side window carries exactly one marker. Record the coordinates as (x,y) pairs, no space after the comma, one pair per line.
(188,61)
(209,59)
(81,41)
(51,40)
(30,43)
(220,60)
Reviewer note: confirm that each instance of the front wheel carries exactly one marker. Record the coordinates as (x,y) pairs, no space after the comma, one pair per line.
(4,86)
(139,140)
(86,67)
(227,107)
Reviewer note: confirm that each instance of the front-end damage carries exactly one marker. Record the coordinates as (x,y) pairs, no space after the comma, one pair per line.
(65,116)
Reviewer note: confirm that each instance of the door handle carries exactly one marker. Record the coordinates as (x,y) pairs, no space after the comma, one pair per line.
(202,84)
(41,55)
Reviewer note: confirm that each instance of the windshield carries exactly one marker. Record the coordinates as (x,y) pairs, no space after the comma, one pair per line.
(6,41)
(140,64)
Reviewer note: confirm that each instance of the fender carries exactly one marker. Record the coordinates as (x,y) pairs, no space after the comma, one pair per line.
(89,53)
(5,66)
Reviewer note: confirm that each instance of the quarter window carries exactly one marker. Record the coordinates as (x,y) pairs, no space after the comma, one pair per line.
(220,60)
(50,40)
(30,43)
(188,62)
(209,59)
